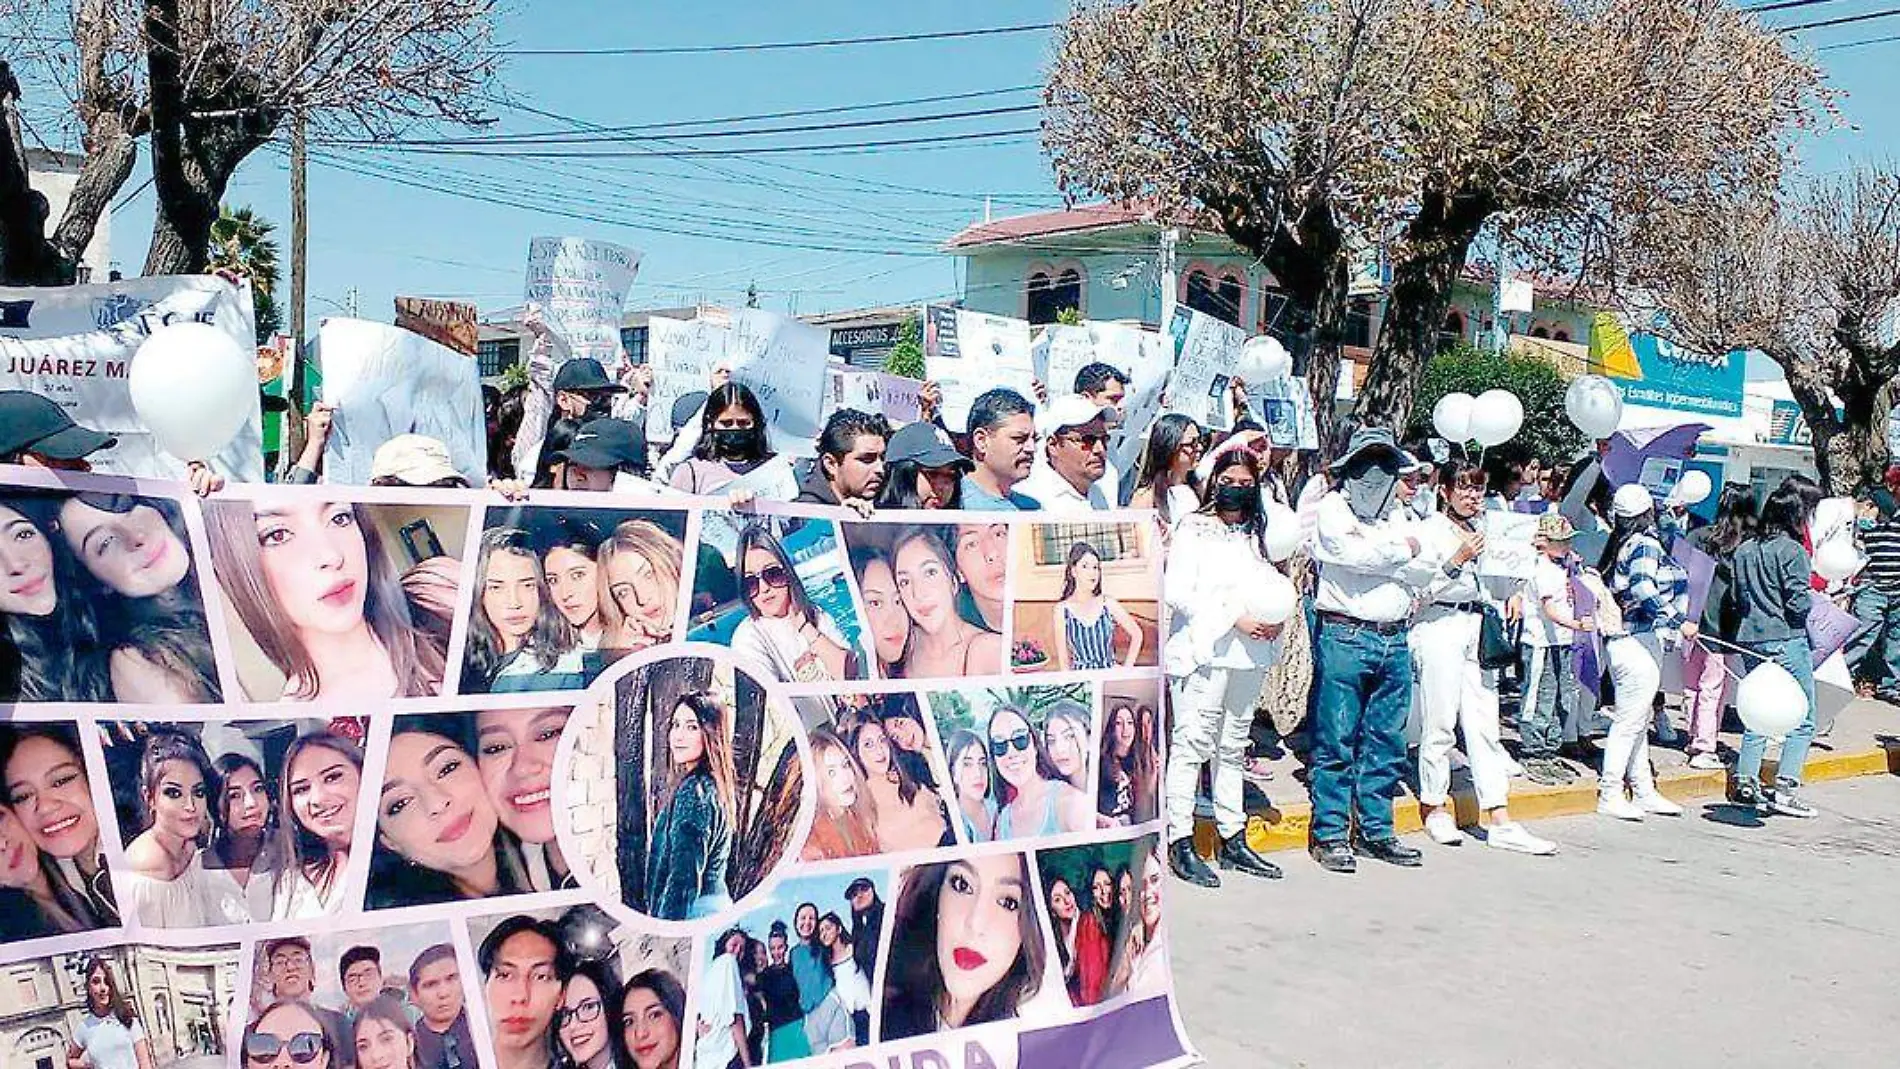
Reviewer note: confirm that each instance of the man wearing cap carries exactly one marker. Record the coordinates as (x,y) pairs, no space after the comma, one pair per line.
(1075,443)
(1368,584)
(599,453)
(1003,445)
(36,432)
(850,465)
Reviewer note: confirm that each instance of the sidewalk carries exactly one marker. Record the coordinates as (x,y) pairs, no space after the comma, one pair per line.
(1865,741)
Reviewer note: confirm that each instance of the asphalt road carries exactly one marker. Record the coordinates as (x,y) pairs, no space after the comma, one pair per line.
(1679,944)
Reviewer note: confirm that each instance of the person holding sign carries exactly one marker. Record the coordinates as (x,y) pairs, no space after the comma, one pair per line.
(1454,690)
(599,453)
(1003,445)
(850,467)
(732,442)
(1075,433)
(36,432)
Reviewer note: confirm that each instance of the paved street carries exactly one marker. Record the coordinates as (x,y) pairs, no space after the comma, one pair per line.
(1678,944)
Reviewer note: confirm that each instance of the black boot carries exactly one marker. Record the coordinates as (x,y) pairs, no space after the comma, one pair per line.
(1236,854)
(1390,851)
(1187,864)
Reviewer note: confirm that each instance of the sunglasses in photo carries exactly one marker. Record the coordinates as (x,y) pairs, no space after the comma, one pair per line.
(263,1047)
(772,575)
(1020,740)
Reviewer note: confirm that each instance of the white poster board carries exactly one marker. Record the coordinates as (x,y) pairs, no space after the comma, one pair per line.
(968,354)
(581,286)
(385,381)
(1061,351)
(682,354)
(783,361)
(1206,351)
(74,345)
(1510,549)
(1284,407)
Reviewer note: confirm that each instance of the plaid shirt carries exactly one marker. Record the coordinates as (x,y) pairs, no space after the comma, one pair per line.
(1650,587)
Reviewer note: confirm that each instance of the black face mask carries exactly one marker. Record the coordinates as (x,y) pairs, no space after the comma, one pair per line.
(1242,499)
(740,444)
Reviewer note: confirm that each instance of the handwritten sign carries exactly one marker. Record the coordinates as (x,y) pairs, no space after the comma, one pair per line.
(1509,549)
(682,354)
(783,361)
(385,381)
(968,353)
(450,323)
(1205,351)
(1061,351)
(581,287)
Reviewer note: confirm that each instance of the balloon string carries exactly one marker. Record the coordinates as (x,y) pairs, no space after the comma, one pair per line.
(1732,674)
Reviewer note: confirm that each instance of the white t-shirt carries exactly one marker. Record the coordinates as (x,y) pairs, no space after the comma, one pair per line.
(724,999)
(854,992)
(1548,580)
(109,1044)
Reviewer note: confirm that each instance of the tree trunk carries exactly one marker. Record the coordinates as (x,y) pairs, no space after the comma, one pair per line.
(1434,249)
(1850,447)
(26,257)
(110,153)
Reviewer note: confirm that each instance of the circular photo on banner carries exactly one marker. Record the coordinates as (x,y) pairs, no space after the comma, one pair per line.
(682,787)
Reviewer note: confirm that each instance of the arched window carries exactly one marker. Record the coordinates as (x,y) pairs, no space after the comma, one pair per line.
(1219,297)
(1561,335)
(1540,332)
(1051,292)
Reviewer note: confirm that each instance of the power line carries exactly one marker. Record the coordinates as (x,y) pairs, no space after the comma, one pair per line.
(711,153)
(580,137)
(1857,44)
(684,124)
(780,46)
(1843,20)
(1785,5)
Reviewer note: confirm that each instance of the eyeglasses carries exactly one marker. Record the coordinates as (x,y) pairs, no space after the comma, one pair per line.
(263,1046)
(1471,480)
(772,575)
(588,1010)
(1086,441)
(1020,741)
(1195,446)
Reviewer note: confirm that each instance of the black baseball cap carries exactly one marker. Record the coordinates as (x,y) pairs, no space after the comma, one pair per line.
(859,884)
(687,407)
(584,373)
(606,444)
(926,445)
(30,423)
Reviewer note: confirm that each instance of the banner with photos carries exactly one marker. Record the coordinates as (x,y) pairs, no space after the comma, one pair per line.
(427,779)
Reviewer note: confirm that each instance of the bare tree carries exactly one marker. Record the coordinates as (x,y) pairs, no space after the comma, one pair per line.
(1811,281)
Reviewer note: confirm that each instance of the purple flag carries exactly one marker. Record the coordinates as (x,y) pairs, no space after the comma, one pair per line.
(1829,628)
(1630,449)
(1701,569)
(1584,647)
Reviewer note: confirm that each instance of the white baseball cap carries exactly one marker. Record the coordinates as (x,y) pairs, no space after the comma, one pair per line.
(1070,410)
(1631,499)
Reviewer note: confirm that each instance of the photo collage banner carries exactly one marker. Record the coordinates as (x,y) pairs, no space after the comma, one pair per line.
(425,779)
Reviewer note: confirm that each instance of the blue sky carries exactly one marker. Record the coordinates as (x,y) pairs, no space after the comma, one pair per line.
(384,239)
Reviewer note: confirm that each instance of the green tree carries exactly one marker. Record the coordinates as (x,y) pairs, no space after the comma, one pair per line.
(907,356)
(242,244)
(1547,434)
(1069,317)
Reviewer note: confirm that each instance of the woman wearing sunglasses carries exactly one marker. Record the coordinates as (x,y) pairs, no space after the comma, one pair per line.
(285,1036)
(783,630)
(1032,797)
(109,1036)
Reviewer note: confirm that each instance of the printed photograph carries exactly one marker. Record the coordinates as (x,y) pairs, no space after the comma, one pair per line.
(965,947)
(127,1007)
(575,989)
(466,808)
(1018,759)
(1128,787)
(53,878)
(708,787)
(774,591)
(878,780)
(1086,596)
(933,596)
(332,600)
(563,592)
(233,822)
(102,601)
(1104,907)
(380,998)
(794,977)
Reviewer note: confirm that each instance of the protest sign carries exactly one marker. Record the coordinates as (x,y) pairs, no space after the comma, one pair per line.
(1700,568)
(450,323)
(383,382)
(1829,628)
(1205,351)
(1059,352)
(681,354)
(968,354)
(783,362)
(1509,548)
(74,345)
(589,836)
(878,392)
(1285,409)
(581,287)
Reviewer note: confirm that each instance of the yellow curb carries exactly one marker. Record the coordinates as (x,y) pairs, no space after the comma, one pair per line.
(1286,828)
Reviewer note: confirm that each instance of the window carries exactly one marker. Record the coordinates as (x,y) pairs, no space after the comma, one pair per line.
(497,355)
(1218,297)
(1540,332)
(1453,332)
(1050,294)
(1561,335)
(1111,541)
(634,341)
(1359,323)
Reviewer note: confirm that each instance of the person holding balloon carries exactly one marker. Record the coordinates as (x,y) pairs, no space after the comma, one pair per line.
(1770,596)
(1227,605)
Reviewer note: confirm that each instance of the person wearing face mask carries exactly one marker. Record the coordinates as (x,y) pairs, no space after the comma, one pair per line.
(1366,549)
(732,442)
(1216,655)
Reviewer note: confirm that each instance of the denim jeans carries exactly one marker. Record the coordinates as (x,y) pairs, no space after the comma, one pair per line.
(1796,658)
(1879,616)
(1364,688)
(1548,699)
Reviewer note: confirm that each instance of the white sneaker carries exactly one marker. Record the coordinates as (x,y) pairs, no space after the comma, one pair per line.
(1707,762)
(1515,838)
(1655,804)
(1619,807)
(1443,828)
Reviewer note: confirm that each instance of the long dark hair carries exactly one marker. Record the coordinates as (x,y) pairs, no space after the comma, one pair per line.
(1076,553)
(164,746)
(116,1003)
(1786,512)
(720,399)
(1257,523)
(1156,472)
(913,982)
(54,657)
(716,762)
(900,487)
(228,765)
(906,783)
(303,852)
(390,1010)
(760,537)
(1000,788)
(601,974)
(1625,528)
(665,987)
(552,635)
(1734,519)
(395,880)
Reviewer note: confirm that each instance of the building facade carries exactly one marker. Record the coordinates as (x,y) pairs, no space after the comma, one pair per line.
(53,176)
(182,996)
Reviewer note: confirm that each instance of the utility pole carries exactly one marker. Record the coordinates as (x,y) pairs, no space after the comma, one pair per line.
(299,235)
(1169,238)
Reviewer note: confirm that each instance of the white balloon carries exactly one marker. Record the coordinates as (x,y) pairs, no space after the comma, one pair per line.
(1836,559)
(1275,600)
(1694,487)
(1283,532)
(1496,417)
(194,387)
(1770,701)
(1451,417)
(1263,359)
(1595,405)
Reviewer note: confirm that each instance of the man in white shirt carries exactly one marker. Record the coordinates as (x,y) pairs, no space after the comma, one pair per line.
(1106,385)
(1074,431)
(1365,548)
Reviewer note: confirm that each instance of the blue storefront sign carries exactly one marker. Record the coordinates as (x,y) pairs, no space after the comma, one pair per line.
(1691,383)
